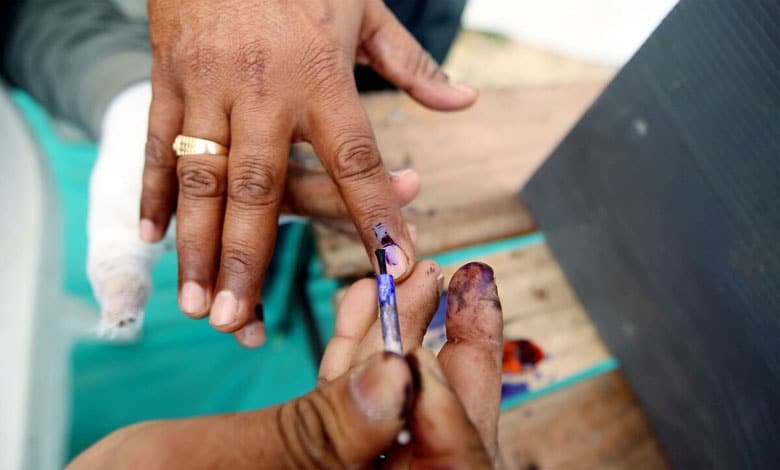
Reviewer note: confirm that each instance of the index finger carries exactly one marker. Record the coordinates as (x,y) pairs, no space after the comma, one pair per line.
(344,141)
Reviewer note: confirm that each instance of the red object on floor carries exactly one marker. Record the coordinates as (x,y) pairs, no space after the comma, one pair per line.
(520,353)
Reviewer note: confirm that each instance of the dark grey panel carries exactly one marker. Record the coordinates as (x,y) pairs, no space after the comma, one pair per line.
(662,206)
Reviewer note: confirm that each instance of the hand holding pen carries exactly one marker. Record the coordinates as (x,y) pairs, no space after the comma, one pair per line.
(465,377)
(364,397)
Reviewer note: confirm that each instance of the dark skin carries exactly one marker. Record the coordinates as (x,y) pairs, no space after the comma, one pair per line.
(258,76)
(449,403)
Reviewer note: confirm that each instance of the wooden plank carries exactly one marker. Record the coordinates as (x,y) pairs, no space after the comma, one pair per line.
(595,424)
(472,165)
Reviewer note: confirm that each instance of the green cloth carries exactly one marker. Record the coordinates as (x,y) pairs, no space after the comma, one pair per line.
(181,367)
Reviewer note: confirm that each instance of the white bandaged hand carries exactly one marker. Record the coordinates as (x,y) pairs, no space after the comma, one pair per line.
(119,263)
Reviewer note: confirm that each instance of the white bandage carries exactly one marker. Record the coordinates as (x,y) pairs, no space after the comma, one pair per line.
(118,261)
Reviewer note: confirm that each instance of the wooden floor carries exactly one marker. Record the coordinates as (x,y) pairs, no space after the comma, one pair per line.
(594,424)
(472,165)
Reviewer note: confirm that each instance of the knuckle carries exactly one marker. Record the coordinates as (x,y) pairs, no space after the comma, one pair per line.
(254,184)
(308,433)
(322,64)
(251,61)
(238,259)
(373,211)
(320,58)
(356,157)
(191,249)
(202,62)
(198,179)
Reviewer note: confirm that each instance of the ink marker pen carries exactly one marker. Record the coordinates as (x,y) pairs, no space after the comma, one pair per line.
(388,311)
(388,317)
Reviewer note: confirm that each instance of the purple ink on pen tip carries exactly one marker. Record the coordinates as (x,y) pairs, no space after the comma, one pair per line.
(388,311)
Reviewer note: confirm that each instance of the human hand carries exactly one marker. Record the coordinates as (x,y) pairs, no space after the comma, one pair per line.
(119,264)
(256,76)
(450,403)
(470,360)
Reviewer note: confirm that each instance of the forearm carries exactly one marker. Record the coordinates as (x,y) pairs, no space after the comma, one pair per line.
(234,441)
(74,56)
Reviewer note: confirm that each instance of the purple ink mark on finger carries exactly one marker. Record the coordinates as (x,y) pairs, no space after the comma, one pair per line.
(392,251)
(380,232)
(392,255)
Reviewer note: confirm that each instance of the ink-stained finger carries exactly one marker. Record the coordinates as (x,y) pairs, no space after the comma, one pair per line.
(471,358)
(356,314)
(344,141)
(417,298)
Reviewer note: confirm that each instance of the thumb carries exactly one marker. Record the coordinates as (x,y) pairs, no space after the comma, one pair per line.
(393,52)
(349,421)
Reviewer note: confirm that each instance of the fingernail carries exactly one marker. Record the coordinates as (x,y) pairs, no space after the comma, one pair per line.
(395,175)
(225,309)
(472,282)
(148,231)
(440,283)
(252,335)
(376,389)
(396,261)
(463,87)
(193,298)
